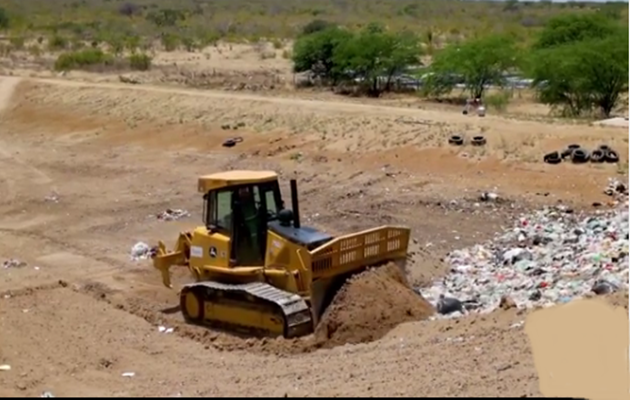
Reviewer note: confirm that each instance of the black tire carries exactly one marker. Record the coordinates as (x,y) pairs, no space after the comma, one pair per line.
(611,156)
(573,146)
(465,112)
(566,154)
(597,156)
(580,156)
(604,147)
(552,158)
(456,140)
(478,141)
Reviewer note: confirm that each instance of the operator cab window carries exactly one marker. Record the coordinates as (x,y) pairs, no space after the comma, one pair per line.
(218,211)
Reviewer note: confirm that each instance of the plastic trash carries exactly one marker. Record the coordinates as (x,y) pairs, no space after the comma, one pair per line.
(550,256)
(140,251)
(448,305)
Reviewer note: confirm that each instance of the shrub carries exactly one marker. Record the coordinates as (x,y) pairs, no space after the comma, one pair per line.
(57,43)
(140,62)
(498,101)
(82,59)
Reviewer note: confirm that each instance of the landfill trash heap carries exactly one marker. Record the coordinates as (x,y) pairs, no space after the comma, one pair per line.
(551,256)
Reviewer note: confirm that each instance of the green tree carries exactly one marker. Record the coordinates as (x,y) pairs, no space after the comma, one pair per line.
(4,19)
(316,25)
(477,63)
(374,57)
(582,76)
(315,52)
(568,28)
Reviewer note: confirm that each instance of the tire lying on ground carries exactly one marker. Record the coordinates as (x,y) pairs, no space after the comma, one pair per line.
(456,140)
(478,141)
(604,147)
(566,153)
(580,156)
(611,156)
(597,155)
(552,158)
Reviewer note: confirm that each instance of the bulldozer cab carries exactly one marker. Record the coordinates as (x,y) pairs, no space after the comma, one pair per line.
(242,211)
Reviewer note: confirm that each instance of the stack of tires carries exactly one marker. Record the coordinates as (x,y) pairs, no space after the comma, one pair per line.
(578,155)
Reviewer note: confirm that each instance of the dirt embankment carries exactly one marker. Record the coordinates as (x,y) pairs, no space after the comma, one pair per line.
(368,306)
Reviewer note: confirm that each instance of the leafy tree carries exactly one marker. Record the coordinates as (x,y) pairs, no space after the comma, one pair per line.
(315,52)
(374,57)
(581,76)
(128,9)
(568,28)
(316,25)
(476,63)
(4,19)
(166,17)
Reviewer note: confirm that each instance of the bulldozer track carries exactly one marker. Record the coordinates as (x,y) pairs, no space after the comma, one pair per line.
(295,311)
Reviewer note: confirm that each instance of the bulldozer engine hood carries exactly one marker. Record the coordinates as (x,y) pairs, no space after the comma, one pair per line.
(305,236)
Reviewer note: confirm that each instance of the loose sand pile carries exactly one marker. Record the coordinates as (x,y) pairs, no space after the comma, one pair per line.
(368,306)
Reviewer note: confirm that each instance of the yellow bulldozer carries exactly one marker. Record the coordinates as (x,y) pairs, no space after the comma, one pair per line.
(256,269)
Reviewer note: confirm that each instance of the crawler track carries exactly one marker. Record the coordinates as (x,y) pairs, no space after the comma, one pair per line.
(252,308)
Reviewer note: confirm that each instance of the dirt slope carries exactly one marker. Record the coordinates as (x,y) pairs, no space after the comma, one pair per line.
(368,306)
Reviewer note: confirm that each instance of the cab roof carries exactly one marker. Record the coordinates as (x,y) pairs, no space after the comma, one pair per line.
(234,178)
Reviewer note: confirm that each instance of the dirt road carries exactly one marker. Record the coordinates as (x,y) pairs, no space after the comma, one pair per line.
(84,169)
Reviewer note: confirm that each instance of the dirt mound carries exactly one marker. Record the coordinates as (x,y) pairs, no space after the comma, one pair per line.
(368,306)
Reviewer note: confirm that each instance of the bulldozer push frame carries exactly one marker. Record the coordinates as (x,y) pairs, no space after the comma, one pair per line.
(257,270)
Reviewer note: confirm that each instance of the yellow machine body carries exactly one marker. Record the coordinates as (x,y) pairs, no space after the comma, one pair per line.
(297,274)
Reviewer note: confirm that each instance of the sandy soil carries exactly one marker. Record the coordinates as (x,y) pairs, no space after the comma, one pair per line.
(84,168)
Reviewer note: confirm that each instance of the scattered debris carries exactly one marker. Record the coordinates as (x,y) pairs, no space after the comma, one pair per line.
(53,197)
(616,188)
(163,329)
(5,367)
(128,374)
(448,305)
(172,214)
(14,263)
(488,196)
(140,251)
(47,394)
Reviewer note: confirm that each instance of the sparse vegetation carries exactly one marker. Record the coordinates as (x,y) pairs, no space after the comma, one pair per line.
(140,62)
(359,47)
(83,59)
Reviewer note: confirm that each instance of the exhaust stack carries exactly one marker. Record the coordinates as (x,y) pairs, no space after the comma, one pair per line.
(295,203)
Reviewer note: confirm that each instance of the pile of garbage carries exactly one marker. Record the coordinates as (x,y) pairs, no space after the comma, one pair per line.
(13,263)
(172,214)
(551,256)
(140,251)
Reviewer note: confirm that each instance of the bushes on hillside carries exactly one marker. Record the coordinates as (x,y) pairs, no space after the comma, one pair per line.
(82,59)
(91,58)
